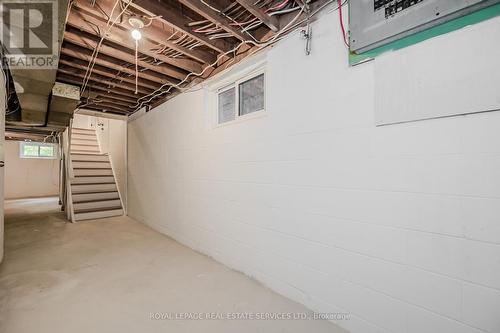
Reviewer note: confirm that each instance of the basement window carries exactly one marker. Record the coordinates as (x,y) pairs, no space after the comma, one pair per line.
(28,149)
(241,98)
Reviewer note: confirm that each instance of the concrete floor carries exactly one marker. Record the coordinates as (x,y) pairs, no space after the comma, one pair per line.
(110,275)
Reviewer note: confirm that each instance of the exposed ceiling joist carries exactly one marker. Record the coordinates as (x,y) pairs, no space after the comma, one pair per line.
(108,95)
(104,80)
(103,71)
(77,39)
(175,18)
(151,32)
(72,79)
(271,21)
(82,53)
(121,37)
(217,17)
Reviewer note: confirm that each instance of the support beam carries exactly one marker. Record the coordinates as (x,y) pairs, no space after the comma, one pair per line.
(216,18)
(271,21)
(153,33)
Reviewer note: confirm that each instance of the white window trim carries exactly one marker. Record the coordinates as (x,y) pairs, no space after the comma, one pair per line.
(34,143)
(233,82)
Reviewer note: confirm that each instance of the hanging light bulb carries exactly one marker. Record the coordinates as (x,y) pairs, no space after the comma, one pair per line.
(136,34)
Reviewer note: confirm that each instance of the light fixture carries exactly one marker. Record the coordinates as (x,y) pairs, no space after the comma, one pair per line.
(136,22)
(136,34)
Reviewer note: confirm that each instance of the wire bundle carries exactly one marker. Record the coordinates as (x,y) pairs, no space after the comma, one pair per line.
(240,17)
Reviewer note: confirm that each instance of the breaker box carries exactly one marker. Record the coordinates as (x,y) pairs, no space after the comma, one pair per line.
(373,23)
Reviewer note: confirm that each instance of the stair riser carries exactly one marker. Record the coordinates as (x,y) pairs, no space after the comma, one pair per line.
(97,205)
(93,180)
(94,196)
(90,158)
(98,215)
(92,188)
(94,149)
(91,165)
(77,136)
(93,172)
(82,130)
(89,141)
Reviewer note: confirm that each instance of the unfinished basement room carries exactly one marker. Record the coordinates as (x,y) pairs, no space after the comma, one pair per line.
(271,166)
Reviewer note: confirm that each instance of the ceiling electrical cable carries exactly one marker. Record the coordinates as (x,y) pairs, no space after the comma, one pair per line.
(159,92)
(344,34)
(145,100)
(90,67)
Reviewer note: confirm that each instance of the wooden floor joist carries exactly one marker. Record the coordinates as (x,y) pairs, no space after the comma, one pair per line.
(183,42)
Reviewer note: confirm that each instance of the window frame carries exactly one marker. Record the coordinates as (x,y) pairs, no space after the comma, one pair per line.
(235,82)
(38,144)
(218,93)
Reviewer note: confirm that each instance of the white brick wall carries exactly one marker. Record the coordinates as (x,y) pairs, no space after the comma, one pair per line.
(398,225)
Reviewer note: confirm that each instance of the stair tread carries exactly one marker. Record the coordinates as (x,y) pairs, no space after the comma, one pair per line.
(88,133)
(93,183)
(83,129)
(83,144)
(102,209)
(96,192)
(95,200)
(91,154)
(91,168)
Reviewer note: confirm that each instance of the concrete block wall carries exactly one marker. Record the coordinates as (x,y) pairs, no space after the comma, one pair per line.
(397,225)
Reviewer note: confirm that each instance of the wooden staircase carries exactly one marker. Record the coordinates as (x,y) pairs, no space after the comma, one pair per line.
(94,193)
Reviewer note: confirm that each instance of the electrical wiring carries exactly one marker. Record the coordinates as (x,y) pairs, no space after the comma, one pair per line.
(284,11)
(249,23)
(159,91)
(344,35)
(291,25)
(95,53)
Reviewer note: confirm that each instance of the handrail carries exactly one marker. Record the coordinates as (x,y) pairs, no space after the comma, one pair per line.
(68,172)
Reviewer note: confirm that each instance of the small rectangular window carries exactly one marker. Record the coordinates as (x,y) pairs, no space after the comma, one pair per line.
(240,98)
(226,105)
(251,96)
(38,150)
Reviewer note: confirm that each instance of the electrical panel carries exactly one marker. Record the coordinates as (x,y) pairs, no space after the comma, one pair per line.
(373,23)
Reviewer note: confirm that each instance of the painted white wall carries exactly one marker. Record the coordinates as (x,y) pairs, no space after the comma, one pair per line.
(397,225)
(82,121)
(117,149)
(29,177)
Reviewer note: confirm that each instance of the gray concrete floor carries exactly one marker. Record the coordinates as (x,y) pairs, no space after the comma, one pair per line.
(110,275)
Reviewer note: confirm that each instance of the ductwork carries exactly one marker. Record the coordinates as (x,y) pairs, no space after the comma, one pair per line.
(43,101)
